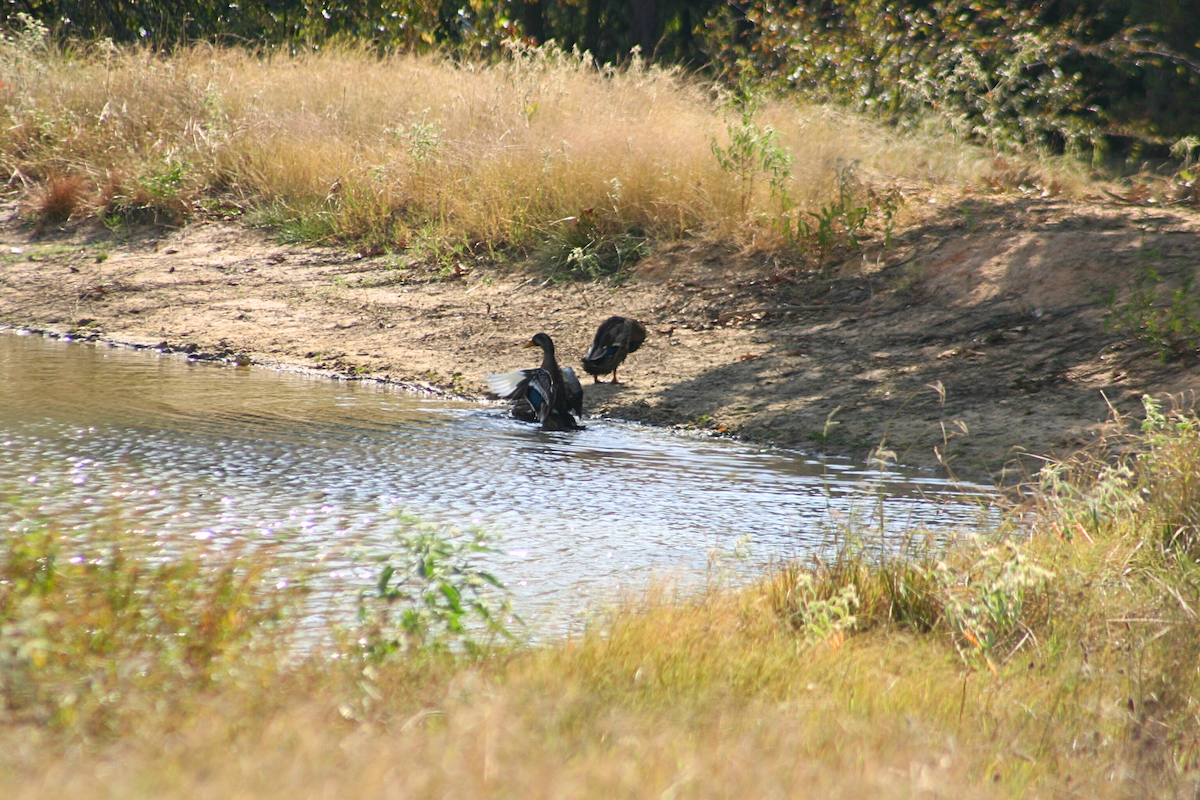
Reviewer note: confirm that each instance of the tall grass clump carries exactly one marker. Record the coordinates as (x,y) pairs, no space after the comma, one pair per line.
(541,149)
(1074,622)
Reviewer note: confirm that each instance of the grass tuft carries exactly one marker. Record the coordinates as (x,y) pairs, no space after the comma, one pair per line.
(103,625)
(60,198)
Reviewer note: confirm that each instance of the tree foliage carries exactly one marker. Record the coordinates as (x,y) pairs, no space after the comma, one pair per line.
(1011,73)
(609,29)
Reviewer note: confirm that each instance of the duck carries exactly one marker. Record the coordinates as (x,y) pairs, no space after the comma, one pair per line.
(547,394)
(616,338)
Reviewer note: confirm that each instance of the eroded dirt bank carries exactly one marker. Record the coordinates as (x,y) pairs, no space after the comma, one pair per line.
(999,303)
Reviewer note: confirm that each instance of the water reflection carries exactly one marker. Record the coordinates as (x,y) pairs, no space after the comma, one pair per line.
(223,452)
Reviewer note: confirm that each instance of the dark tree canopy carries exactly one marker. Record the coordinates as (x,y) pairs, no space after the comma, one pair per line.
(662,29)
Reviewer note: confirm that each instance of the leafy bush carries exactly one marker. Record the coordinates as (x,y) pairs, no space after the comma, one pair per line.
(1134,482)
(1167,320)
(1013,75)
(984,603)
(754,151)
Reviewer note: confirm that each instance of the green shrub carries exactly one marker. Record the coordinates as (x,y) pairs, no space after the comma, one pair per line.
(1013,75)
(431,594)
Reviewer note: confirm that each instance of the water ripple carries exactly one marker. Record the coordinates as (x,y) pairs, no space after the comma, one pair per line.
(221,452)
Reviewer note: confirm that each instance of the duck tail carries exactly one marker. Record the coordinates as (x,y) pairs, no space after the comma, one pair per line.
(597,357)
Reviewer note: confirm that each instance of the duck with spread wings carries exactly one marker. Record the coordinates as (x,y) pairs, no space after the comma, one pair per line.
(547,394)
(616,338)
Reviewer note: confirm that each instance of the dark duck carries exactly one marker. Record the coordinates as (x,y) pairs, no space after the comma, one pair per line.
(547,394)
(616,338)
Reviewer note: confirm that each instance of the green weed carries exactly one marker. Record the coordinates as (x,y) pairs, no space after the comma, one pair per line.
(589,247)
(755,154)
(754,151)
(837,224)
(431,594)
(422,139)
(984,601)
(1167,320)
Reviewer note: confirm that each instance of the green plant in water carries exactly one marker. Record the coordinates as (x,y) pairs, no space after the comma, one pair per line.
(432,594)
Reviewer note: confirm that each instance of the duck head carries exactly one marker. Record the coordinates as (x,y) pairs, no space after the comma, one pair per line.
(541,340)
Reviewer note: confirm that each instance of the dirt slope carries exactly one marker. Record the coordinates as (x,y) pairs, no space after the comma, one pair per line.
(999,303)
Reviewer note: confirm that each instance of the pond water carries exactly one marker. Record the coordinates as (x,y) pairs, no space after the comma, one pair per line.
(219,452)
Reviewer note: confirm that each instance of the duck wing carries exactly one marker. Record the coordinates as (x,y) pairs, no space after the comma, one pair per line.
(531,390)
(540,393)
(508,385)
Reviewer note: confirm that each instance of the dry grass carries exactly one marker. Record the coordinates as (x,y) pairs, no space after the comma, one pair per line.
(62,197)
(405,149)
(1055,657)
(683,700)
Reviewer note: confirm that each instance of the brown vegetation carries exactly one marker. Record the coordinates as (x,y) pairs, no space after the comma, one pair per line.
(61,197)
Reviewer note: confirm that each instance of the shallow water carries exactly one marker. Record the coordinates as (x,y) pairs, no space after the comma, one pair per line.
(226,453)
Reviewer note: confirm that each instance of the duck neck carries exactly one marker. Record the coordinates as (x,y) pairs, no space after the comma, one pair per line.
(550,364)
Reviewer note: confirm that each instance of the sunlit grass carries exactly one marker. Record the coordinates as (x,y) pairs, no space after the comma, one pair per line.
(404,149)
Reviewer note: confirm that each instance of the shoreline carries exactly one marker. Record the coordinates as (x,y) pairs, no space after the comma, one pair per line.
(982,349)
